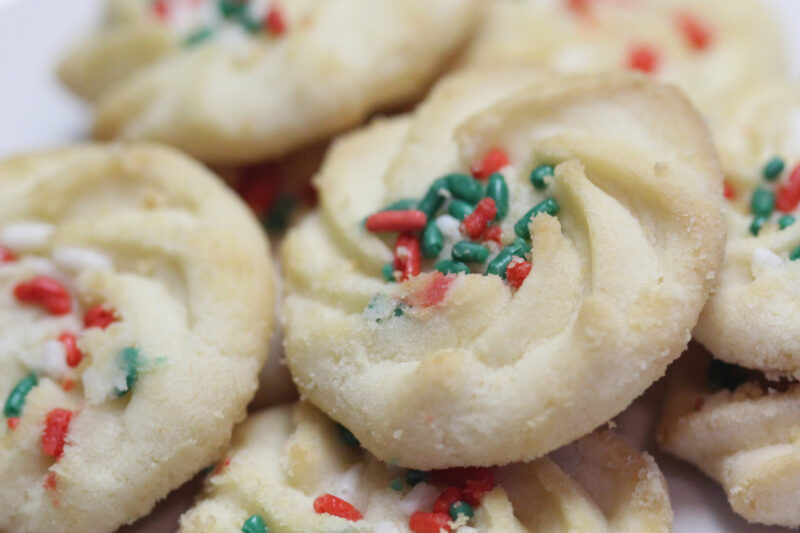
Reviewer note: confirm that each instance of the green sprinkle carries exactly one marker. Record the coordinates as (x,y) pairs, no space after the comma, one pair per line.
(498,265)
(401,205)
(230,8)
(16,400)
(255,524)
(207,470)
(129,362)
(785,221)
(198,36)
(396,485)
(432,240)
(795,255)
(279,215)
(758,223)
(251,25)
(461,508)
(773,168)
(433,199)
(415,476)
(762,202)
(549,206)
(388,272)
(446,266)
(460,209)
(497,190)
(470,252)
(398,311)
(464,188)
(347,436)
(539,174)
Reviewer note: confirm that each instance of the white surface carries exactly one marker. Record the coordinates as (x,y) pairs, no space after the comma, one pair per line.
(35,111)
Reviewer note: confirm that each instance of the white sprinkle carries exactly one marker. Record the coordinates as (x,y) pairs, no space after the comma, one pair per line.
(449,226)
(27,235)
(54,359)
(386,527)
(763,259)
(421,496)
(78,259)
(466,529)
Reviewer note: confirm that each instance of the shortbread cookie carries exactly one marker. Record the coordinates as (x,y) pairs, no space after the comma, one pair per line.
(235,81)
(740,429)
(135,313)
(751,318)
(585,251)
(291,469)
(705,46)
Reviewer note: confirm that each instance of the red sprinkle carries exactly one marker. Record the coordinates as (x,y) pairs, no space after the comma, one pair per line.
(474,481)
(330,504)
(476,222)
(697,34)
(6,255)
(580,7)
(699,402)
(13,423)
(494,160)
(50,481)
(260,189)
(429,522)
(493,233)
(788,196)
(434,291)
(384,221)
(222,465)
(407,256)
(448,497)
(516,271)
(74,355)
(55,431)
(728,191)
(67,384)
(98,317)
(160,9)
(46,291)
(275,22)
(644,58)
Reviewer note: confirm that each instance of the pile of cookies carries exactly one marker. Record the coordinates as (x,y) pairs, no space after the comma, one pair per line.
(500,222)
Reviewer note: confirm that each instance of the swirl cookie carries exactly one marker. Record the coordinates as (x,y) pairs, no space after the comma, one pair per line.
(436,314)
(704,46)
(751,316)
(740,428)
(292,469)
(135,312)
(235,81)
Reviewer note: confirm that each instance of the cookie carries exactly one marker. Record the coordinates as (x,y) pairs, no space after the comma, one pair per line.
(525,307)
(234,81)
(293,469)
(136,308)
(749,319)
(740,428)
(705,46)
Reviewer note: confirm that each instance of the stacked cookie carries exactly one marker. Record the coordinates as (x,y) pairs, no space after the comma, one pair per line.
(491,273)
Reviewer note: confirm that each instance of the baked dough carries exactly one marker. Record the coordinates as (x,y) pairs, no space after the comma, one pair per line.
(462,369)
(750,320)
(282,460)
(745,437)
(704,46)
(236,97)
(167,363)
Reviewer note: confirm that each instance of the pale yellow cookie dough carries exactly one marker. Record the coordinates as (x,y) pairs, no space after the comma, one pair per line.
(491,375)
(160,242)
(282,460)
(235,96)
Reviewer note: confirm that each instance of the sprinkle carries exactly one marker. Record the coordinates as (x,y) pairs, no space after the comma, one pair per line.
(785,221)
(160,9)
(98,317)
(128,359)
(469,252)
(516,272)
(728,191)
(448,497)
(756,225)
(475,482)
(16,399)
(415,476)
(497,190)
(789,194)
(26,235)
(275,21)
(429,522)
(6,255)
(330,504)
(388,272)
(762,203)
(494,160)
(67,384)
(74,355)
(464,188)
(347,436)
(795,254)
(229,8)
(499,264)
(699,402)
(539,176)
(401,205)
(396,485)
(697,34)
(579,7)
(51,482)
(46,291)
(774,168)
(477,222)
(13,423)
(458,509)
(55,431)
(198,36)
(78,259)
(432,240)
(459,209)
(643,58)
(447,266)
(434,198)
(421,496)
(494,234)
(549,206)
(278,216)
(434,291)
(385,221)
(255,524)
(407,256)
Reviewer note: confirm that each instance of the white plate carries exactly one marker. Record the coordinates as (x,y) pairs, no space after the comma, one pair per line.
(35,112)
